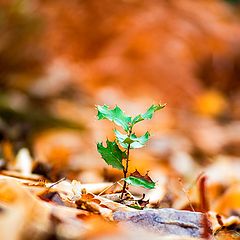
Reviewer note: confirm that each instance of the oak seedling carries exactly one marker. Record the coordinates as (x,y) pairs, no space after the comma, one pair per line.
(117,153)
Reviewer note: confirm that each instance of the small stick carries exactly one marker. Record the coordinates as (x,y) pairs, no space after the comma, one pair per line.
(105,189)
(187,194)
(125,189)
(59,181)
(204,206)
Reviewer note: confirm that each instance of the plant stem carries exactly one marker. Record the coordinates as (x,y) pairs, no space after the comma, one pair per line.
(125,170)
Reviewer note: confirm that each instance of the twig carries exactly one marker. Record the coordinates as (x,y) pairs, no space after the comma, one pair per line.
(125,189)
(204,206)
(105,189)
(186,193)
(59,181)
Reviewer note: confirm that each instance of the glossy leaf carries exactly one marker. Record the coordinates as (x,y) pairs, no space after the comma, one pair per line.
(148,114)
(121,138)
(139,182)
(111,154)
(116,115)
(133,140)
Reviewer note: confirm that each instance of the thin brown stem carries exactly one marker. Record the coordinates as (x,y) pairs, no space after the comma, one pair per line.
(125,170)
(127,161)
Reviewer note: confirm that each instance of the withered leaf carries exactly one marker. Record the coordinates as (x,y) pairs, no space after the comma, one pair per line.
(143,203)
(139,175)
(52,197)
(136,174)
(136,179)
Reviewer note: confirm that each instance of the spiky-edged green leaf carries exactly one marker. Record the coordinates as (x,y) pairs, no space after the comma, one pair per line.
(139,141)
(133,140)
(116,115)
(111,154)
(148,114)
(121,138)
(139,182)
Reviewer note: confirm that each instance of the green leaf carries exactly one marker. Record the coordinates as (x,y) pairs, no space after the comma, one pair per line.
(139,141)
(116,115)
(139,182)
(148,114)
(121,138)
(111,154)
(133,140)
(135,207)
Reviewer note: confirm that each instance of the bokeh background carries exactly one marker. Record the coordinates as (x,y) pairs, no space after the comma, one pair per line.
(58,59)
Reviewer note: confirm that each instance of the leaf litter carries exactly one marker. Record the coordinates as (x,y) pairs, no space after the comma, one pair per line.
(75,209)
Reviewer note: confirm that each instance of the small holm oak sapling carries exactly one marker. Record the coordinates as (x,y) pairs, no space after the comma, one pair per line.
(117,152)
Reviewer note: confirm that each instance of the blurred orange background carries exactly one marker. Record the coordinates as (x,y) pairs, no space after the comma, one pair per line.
(58,59)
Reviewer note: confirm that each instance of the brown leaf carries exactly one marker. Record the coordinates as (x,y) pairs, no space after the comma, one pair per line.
(138,175)
(89,197)
(53,197)
(143,203)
